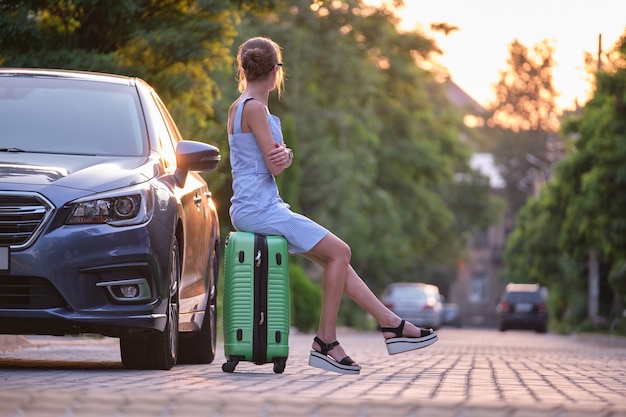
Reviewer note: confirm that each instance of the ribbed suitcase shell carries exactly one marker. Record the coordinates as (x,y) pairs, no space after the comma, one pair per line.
(256,300)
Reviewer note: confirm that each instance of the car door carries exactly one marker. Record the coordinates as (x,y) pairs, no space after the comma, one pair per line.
(194,199)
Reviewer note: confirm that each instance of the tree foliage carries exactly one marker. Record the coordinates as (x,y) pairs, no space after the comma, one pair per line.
(378,158)
(378,140)
(523,120)
(525,95)
(176,45)
(583,207)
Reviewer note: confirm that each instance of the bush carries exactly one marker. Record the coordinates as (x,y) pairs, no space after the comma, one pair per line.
(306,304)
(353,316)
(618,326)
(306,300)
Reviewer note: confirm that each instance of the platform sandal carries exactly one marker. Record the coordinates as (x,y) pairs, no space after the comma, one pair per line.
(323,361)
(399,344)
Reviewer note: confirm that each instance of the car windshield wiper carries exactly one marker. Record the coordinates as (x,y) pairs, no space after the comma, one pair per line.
(50,152)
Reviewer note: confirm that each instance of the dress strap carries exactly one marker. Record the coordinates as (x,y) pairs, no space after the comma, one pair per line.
(237,126)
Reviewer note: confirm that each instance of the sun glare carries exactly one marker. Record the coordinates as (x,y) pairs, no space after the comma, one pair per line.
(476,52)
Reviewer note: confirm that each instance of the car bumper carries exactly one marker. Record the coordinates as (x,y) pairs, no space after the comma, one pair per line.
(523,321)
(422,319)
(63,283)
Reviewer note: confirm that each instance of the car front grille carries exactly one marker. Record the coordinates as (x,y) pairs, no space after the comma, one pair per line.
(22,217)
(28,293)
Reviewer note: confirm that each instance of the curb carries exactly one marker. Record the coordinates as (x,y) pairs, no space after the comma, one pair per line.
(601,339)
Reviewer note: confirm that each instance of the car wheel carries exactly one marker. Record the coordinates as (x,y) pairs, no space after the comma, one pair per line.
(157,350)
(199,347)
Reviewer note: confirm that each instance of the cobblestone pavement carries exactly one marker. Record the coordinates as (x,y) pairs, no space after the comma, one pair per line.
(468,373)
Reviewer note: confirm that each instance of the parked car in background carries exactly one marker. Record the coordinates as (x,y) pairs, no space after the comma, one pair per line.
(451,315)
(106,226)
(417,303)
(523,306)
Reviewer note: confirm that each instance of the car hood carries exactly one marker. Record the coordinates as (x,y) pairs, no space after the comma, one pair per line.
(85,174)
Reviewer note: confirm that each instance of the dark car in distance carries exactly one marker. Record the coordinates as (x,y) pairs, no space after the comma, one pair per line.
(523,306)
(106,225)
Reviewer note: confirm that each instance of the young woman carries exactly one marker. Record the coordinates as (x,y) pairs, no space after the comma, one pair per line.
(257,155)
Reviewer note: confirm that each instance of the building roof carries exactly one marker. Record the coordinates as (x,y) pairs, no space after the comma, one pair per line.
(462,100)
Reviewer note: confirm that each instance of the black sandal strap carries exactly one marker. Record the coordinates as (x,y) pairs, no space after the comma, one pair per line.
(426,332)
(347,361)
(325,347)
(397,330)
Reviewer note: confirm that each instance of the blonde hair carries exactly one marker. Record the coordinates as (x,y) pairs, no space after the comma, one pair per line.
(256,59)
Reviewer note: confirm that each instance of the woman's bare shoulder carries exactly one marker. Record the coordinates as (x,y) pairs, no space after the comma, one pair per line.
(254,105)
(254,110)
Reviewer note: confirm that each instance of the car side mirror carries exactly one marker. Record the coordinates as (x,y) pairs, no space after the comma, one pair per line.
(194,156)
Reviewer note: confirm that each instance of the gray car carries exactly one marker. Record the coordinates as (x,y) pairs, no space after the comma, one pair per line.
(416,302)
(106,226)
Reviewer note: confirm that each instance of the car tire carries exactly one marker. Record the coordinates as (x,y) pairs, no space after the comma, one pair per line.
(158,350)
(200,347)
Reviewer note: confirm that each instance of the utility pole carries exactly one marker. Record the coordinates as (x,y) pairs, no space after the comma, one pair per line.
(593,276)
(593,285)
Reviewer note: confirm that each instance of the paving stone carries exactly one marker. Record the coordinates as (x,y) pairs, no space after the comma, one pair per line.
(468,373)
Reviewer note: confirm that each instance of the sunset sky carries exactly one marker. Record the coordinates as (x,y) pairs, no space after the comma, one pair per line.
(477,52)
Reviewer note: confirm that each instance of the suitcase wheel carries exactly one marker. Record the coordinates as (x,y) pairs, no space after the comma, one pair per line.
(230,366)
(279,366)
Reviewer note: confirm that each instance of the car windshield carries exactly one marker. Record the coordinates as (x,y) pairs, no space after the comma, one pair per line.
(48,115)
(407,292)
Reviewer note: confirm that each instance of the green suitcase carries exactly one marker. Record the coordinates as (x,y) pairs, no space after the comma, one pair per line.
(256,300)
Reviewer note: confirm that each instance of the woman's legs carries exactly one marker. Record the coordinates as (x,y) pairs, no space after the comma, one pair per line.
(340,278)
(334,256)
(360,293)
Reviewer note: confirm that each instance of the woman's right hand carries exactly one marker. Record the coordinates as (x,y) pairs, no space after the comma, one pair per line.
(281,155)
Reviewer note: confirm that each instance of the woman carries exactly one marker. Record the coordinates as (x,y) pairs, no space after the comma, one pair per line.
(257,155)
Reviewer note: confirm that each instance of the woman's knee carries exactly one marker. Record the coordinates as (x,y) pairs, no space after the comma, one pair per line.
(332,248)
(341,250)
(347,251)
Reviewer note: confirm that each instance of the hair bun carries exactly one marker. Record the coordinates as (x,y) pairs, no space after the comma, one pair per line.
(256,59)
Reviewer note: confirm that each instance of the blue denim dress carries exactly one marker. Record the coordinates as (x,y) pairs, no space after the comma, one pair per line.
(256,205)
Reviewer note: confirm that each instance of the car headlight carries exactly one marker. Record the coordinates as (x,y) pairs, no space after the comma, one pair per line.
(121,208)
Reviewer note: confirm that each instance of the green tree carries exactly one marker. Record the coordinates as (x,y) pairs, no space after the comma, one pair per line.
(523,120)
(525,95)
(596,177)
(175,45)
(519,158)
(582,208)
(378,141)
(181,47)
(377,148)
